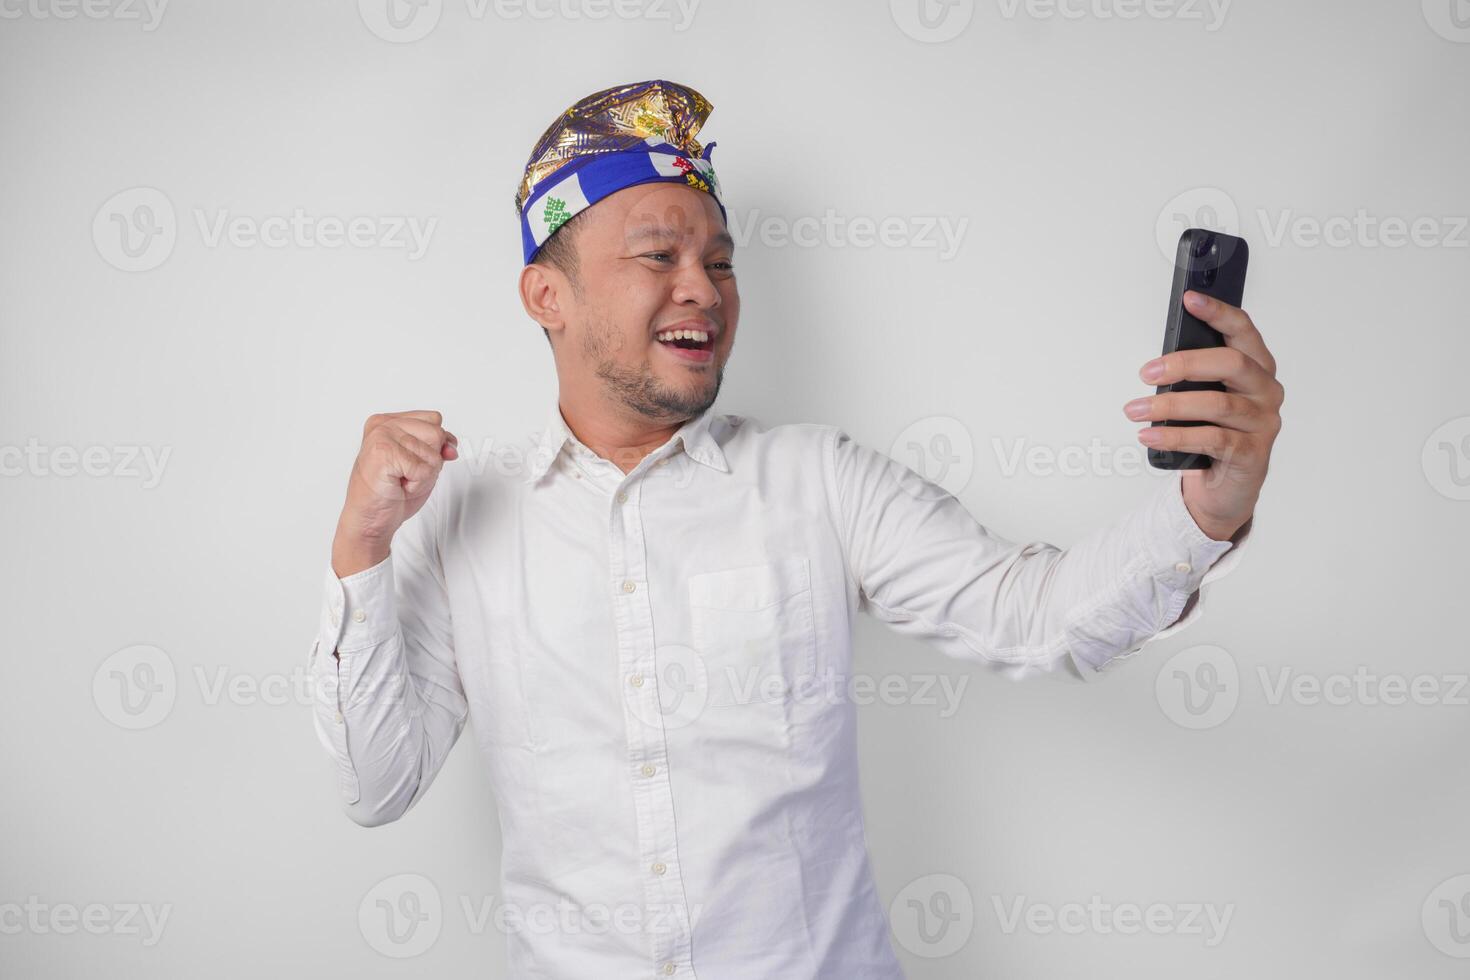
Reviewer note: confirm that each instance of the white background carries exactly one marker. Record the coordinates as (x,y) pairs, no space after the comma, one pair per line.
(1068,141)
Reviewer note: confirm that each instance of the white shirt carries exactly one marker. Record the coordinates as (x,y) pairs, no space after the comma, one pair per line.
(630,648)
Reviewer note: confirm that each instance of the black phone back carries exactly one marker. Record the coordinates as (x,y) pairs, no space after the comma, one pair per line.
(1212,263)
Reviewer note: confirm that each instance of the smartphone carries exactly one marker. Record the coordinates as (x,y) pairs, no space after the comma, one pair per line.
(1212,263)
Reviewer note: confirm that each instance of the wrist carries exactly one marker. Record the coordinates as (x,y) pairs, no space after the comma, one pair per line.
(352,554)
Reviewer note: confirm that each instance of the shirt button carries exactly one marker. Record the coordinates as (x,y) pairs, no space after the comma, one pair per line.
(628,585)
(636,680)
(659,867)
(339,717)
(648,770)
(359,616)
(1183,568)
(622,498)
(668,969)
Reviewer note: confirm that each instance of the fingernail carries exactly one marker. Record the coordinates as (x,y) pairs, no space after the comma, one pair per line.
(1137,408)
(1153,370)
(1195,301)
(1148,436)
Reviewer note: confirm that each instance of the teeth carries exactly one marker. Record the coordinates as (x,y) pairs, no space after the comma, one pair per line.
(699,336)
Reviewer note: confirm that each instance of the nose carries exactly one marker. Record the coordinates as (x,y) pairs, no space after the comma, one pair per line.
(694,287)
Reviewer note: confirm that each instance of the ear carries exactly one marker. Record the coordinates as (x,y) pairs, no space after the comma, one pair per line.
(544,290)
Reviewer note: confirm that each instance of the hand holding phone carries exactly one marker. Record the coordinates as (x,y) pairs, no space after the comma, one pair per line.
(1211,263)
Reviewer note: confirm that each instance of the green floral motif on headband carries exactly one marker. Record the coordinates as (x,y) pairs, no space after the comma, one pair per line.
(555,214)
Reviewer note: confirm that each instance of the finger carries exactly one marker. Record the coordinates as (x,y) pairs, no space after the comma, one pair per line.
(381,418)
(1235,324)
(1211,440)
(1237,369)
(419,472)
(425,451)
(1223,408)
(435,435)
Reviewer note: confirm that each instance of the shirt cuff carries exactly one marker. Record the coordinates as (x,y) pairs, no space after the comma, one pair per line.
(360,610)
(1185,560)
(1183,553)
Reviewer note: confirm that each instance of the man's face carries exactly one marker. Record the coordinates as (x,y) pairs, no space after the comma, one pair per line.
(651,258)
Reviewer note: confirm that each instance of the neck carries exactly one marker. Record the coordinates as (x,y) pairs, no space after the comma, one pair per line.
(612,432)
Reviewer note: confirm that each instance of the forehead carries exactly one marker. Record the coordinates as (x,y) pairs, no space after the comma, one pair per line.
(660,213)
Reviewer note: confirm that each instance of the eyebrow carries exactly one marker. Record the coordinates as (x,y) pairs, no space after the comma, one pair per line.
(663,234)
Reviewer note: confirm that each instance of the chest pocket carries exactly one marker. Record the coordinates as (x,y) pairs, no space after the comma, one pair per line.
(753,627)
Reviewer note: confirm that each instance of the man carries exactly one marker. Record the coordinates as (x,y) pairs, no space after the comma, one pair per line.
(650,624)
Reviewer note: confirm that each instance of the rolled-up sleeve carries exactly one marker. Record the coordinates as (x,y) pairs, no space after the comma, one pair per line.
(390,706)
(928,568)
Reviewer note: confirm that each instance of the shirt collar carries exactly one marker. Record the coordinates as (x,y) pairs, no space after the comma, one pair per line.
(695,436)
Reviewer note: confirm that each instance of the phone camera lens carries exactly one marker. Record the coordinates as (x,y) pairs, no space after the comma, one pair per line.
(1207,276)
(1203,244)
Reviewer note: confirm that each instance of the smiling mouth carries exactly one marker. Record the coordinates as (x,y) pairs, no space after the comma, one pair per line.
(687,340)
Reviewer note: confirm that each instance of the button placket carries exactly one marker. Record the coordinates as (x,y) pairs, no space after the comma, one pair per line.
(653,802)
